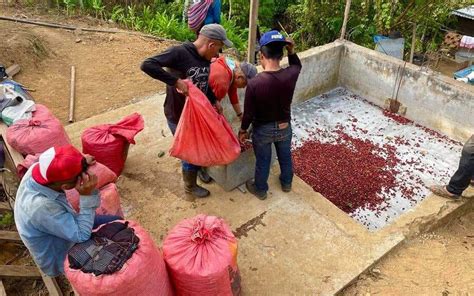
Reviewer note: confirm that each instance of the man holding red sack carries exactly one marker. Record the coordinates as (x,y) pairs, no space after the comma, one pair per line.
(187,61)
(46,222)
(267,106)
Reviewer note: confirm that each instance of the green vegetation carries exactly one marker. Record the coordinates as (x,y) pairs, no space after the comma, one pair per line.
(311,22)
(6,220)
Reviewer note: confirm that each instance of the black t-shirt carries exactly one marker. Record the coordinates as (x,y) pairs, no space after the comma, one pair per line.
(268,96)
(183,62)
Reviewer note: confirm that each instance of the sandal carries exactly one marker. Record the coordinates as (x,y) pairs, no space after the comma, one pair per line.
(443,192)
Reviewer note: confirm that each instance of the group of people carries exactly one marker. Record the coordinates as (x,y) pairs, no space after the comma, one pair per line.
(49,226)
(267,104)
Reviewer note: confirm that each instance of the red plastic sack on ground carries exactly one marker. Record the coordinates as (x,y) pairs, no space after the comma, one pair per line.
(143,274)
(109,143)
(23,167)
(36,135)
(109,200)
(201,254)
(203,137)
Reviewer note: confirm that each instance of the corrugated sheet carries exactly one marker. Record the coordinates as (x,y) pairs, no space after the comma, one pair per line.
(467,12)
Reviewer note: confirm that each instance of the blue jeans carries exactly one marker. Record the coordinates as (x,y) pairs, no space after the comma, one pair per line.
(262,139)
(186,165)
(103,219)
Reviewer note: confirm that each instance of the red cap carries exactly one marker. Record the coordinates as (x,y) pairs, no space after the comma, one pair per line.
(58,164)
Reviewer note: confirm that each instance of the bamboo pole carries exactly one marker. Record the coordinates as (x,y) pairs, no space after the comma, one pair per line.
(346,19)
(73,90)
(413,41)
(252,31)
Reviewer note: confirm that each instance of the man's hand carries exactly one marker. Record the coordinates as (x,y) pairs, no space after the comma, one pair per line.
(243,135)
(86,184)
(182,87)
(89,159)
(219,108)
(290,47)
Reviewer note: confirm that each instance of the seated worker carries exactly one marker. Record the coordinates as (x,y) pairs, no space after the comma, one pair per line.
(46,222)
(226,77)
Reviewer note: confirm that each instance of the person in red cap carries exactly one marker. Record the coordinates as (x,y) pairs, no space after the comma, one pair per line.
(46,222)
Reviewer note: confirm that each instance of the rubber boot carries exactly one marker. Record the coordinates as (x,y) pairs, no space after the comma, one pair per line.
(204,176)
(191,186)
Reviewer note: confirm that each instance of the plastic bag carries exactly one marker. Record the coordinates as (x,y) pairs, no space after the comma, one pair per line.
(203,137)
(38,134)
(109,200)
(143,274)
(201,254)
(23,110)
(109,143)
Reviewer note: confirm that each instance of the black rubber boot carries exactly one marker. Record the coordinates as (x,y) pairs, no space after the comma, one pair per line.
(204,176)
(191,186)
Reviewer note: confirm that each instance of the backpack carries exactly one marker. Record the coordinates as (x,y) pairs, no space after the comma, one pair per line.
(197,13)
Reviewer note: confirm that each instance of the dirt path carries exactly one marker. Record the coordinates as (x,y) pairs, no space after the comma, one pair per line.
(437,263)
(107,65)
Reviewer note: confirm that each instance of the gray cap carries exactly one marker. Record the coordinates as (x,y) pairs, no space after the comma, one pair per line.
(249,70)
(216,32)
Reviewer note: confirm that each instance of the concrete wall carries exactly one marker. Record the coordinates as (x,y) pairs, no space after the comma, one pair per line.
(431,99)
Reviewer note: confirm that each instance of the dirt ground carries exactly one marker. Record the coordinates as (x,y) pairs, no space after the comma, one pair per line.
(437,263)
(107,65)
(108,76)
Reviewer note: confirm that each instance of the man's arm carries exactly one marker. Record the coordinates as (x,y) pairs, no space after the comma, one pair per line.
(293,58)
(52,218)
(153,66)
(249,108)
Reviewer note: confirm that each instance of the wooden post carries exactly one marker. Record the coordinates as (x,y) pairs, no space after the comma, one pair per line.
(73,89)
(413,41)
(346,19)
(252,31)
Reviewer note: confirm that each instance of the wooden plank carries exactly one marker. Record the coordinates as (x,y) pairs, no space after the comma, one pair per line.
(4,207)
(15,156)
(52,285)
(252,31)
(13,70)
(9,236)
(19,271)
(3,292)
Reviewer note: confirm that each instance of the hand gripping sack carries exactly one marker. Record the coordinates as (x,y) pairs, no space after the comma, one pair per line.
(109,200)
(203,137)
(143,274)
(197,13)
(37,134)
(109,143)
(201,255)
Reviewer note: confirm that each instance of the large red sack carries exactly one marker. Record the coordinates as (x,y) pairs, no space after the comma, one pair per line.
(109,143)
(144,274)
(36,135)
(109,200)
(201,254)
(203,137)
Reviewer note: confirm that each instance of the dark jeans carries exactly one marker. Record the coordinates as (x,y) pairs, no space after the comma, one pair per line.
(103,219)
(262,139)
(465,173)
(186,165)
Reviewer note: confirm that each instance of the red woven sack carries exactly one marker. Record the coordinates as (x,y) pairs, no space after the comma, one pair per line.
(109,143)
(144,274)
(36,135)
(201,255)
(203,137)
(109,200)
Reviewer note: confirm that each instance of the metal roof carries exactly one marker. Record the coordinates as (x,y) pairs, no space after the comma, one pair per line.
(467,12)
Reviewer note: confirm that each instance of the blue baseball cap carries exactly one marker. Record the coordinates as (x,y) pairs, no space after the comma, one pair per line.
(272,36)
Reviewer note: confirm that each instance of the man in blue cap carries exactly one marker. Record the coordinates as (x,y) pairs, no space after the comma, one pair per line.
(267,106)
